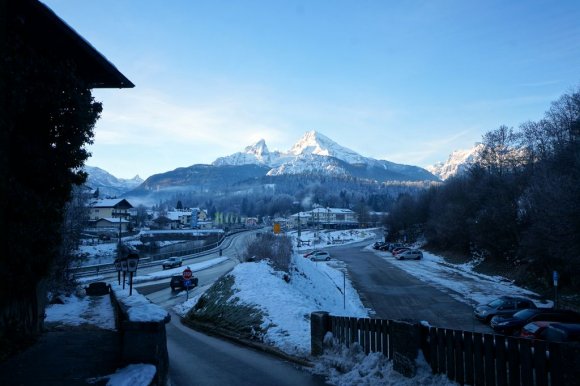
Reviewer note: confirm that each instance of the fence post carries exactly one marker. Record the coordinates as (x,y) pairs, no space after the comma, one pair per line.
(406,343)
(319,326)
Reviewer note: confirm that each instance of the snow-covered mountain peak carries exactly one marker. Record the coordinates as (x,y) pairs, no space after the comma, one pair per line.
(259,149)
(257,153)
(315,143)
(312,143)
(458,162)
(108,184)
(316,153)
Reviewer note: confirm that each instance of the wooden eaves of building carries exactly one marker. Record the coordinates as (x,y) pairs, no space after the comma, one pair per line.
(41,29)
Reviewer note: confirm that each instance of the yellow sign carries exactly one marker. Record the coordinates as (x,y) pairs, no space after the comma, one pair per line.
(276,228)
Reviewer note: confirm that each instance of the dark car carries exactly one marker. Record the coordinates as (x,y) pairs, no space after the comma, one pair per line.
(384,247)
(509,325)
(177,282)
(534,330)
(561,332)
(503,306)
(378,244)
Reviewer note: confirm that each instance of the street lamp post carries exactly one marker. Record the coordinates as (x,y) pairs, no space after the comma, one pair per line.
(118,268)
(124,269)
(132,262)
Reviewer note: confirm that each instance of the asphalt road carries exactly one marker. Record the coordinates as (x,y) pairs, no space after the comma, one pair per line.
(394,294)
(199,359)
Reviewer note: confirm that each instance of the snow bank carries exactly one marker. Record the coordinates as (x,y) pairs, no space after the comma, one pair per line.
(138,307)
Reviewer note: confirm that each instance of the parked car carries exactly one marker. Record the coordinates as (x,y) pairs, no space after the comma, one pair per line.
(384,247)
(172,262)
(509,325)
(503,306)
(320,256)
(177,282)
(561,332)
(533,330)
(396,251)
(379,244)
(394,245)
(311,253)
(413,254)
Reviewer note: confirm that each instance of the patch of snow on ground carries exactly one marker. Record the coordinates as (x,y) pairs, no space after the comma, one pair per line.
(138,307)
(132,375)
(459,281)
(350,366)
(82,310)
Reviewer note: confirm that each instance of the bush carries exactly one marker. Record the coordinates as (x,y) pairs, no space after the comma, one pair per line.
(275,248)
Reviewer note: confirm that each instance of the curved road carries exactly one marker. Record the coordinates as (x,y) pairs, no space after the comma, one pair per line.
(199,359)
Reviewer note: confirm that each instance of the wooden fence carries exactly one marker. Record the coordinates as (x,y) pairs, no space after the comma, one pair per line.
(470,358)
(373,335)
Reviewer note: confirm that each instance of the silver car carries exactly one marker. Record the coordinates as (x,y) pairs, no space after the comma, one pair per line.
(411,254)
(320,256)
(172,262)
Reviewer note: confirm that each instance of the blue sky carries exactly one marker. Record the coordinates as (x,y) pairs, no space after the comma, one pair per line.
(404,81)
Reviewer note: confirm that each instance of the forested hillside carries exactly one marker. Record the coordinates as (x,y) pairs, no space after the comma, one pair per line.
(519,205)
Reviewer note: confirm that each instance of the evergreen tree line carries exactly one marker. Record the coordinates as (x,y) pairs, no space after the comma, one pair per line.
(274,196)
(519,203)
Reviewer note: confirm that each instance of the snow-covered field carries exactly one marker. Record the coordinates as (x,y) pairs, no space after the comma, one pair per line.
(325,286)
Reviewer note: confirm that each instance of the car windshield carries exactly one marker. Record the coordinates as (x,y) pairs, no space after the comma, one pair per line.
(531,328)
(524,314)
(496,303)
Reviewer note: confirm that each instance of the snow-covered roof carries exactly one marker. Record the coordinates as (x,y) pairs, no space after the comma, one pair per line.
(114,220)
(331,210)
(302,214)
(110,203)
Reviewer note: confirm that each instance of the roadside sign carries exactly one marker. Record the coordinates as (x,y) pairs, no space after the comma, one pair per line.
(187,274)
(187,283)
(277,228)
(555,276)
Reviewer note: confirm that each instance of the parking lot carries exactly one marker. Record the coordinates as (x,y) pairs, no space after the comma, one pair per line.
(427,290)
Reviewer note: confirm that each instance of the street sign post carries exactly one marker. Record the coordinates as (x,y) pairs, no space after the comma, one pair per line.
(187,274)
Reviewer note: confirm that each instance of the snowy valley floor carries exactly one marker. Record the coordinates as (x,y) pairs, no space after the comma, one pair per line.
(314,287)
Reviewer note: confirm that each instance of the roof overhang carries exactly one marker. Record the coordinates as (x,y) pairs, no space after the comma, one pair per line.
(46,31)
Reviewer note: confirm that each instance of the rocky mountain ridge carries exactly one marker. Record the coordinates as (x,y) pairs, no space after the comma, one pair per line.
(108,184)
(314,156)
(458,162)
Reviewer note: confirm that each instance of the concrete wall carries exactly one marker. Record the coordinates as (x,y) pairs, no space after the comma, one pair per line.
(143,342)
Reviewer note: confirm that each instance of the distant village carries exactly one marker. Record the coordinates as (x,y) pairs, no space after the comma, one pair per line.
(111,217)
